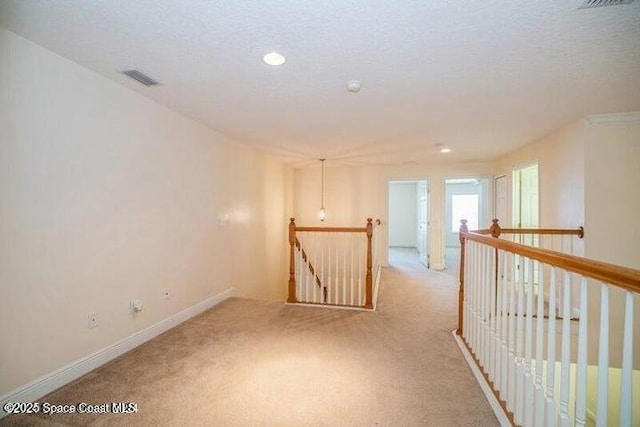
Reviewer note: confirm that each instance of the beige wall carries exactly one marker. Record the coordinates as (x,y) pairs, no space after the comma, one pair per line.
(107,196)
(612,200)
(612,197)
(354,193)
(560,158)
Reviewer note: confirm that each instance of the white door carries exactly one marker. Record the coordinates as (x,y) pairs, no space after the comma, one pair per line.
(500,201)
(423,222)
(525,197)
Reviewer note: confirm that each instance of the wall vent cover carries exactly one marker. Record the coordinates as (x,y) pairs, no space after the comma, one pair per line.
(586,4)
(140,77)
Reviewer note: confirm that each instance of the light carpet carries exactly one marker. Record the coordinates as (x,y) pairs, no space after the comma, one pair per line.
(257,363)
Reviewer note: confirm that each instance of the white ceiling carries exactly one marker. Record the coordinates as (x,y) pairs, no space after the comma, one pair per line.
(482,77)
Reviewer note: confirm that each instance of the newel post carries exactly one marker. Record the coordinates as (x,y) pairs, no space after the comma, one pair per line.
(495,233)
(495,228)
(292,264)
(463,229)
(369,278)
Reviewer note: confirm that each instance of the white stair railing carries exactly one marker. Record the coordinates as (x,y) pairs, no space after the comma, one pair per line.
(332,265)
(534,353)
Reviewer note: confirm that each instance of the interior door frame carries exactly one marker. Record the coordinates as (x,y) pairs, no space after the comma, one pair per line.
(428,213)
(503,221)
(517,223)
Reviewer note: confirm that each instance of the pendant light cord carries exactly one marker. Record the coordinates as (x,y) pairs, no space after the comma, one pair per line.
(322,184)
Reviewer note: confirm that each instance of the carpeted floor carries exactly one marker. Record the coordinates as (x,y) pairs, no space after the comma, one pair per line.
(255,363)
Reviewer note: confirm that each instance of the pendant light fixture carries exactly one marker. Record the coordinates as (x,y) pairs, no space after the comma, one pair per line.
(323,213)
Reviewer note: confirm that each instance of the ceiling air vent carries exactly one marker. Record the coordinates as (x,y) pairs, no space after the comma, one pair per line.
(586,4)
(139,77)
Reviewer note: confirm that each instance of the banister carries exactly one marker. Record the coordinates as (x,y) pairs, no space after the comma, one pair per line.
(557,231)
(623,277)
(496,230)
(333,229)
(363,283)
(292,269)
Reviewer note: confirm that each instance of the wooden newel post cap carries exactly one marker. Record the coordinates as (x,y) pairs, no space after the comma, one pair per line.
(495,228)
(292,220)
(463,229)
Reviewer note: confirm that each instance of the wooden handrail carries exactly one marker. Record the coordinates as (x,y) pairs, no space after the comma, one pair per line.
(557,231)
(496,231)
(333,229)
(623,277)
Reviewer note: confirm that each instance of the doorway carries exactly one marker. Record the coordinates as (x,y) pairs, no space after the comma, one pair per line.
(526,197)
(409,222)
(465,198)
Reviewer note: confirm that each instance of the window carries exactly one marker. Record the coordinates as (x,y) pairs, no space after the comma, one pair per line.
(464,206)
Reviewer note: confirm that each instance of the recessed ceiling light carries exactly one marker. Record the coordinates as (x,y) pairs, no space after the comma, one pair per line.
(274,58)
(442,148)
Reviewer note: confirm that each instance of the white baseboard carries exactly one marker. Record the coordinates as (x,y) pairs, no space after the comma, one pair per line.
(438,267)
(493,401)
(56,379)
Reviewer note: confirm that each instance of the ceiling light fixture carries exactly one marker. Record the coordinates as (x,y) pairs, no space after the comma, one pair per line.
(274,58)
(323,213)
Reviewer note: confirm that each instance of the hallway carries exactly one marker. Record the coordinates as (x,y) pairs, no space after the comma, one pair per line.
(257,363)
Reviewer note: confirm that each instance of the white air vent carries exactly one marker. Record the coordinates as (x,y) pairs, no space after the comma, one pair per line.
(585,4)
(139,77)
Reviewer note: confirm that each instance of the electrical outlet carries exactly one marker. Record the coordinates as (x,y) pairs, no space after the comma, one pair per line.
(93,320)
(166,294)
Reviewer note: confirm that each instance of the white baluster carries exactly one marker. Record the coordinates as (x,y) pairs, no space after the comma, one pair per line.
(476,303)
(353,235)
(298,256)
(491,309)
(322,277)
(504,349)
(469,281)
(490,291)
(603,358)
(551,415)
(482,289)
(511,401)
(566,352)
(581,374)
(332,266)
(627,363)
(497,342)
(360,299)
(344,268)
(336,238)
(528,379)
(467,290)
(518,414)
(539,391)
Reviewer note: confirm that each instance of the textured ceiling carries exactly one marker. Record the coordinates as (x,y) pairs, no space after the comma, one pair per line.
(482,77)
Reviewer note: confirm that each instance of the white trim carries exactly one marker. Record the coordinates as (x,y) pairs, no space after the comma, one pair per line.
(632,117)
(335,307)
(502,417)
(56,379)
(437,267)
